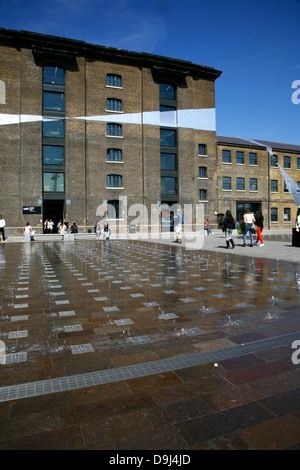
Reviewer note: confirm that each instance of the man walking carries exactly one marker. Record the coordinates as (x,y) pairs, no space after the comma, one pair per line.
(2,225)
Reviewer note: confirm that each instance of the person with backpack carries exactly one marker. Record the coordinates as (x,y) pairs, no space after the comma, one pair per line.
(228,227)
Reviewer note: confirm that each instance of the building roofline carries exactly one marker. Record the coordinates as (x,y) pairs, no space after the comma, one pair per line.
(257,143)
(31,40)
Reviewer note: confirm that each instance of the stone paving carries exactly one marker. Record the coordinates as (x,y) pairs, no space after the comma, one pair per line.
(96,334)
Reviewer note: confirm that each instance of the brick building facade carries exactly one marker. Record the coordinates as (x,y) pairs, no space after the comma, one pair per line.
(83,125)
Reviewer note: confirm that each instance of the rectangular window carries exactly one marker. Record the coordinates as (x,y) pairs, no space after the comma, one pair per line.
(202,195)
(202,149)
(113,105)
(168,185)
(287,162)
(53,155)
(53,182)
(167,137)
(202,172)
(274,186)
(252,158)
(113,80)
(167,114)
(240,158)
(253,184)
(240,184)
(226,183)
(53,75)
(167,91)
(168,161)
(226,156)
(114,181)
(53,128)
(298,163)
(287,214)
(274,160)
(274,214)
(114,155)
(53,101)
(114,130)
(286,188)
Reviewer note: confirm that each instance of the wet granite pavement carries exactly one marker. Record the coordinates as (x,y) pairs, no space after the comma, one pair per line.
(74,309)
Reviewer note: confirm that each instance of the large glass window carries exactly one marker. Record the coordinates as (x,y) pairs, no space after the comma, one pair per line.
(167,91)
(53,75)
(53,128)
(168,185)
(53,155)
(54,182)
(53,101)
(114,181)
(167,114)
(168,161)
(167,137)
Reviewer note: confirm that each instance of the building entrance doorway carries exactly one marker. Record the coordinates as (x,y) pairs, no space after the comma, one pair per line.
(54,210)
(242,206)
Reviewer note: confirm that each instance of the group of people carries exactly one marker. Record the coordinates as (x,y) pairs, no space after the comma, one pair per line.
(98,230)
(250,223)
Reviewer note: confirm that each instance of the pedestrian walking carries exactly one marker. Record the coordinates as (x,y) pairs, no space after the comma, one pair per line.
(259,221)
(98,230)
(28,231)
(2,225)
(106,230)
(178,222)
(229,225)
(249,220)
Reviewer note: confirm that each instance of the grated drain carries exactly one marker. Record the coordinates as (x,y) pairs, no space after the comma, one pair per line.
(74,382)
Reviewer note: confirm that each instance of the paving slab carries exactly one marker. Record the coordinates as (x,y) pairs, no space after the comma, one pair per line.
(199,351)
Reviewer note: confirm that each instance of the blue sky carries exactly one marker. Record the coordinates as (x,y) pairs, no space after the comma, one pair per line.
(255,43)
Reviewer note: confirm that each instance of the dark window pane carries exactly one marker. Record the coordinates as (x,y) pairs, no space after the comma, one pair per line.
(226,182)
(53,75)
(53,128)
(113,104)
(53,155)
(114,155)
(226,156)
(252,158)
(168,161)
(114,129)
(53,101)
(54,182)
(166,91)
(202,149)
(114,181)
(168,185)
(113,80)
(168,137)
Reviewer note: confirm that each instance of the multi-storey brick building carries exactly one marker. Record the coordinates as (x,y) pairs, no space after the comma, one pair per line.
(84,124)
(248,177)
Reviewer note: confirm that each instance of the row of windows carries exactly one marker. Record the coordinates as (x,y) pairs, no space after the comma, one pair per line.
(55,181)
(286,214)
(240,159)
(56,76)
(240,184)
